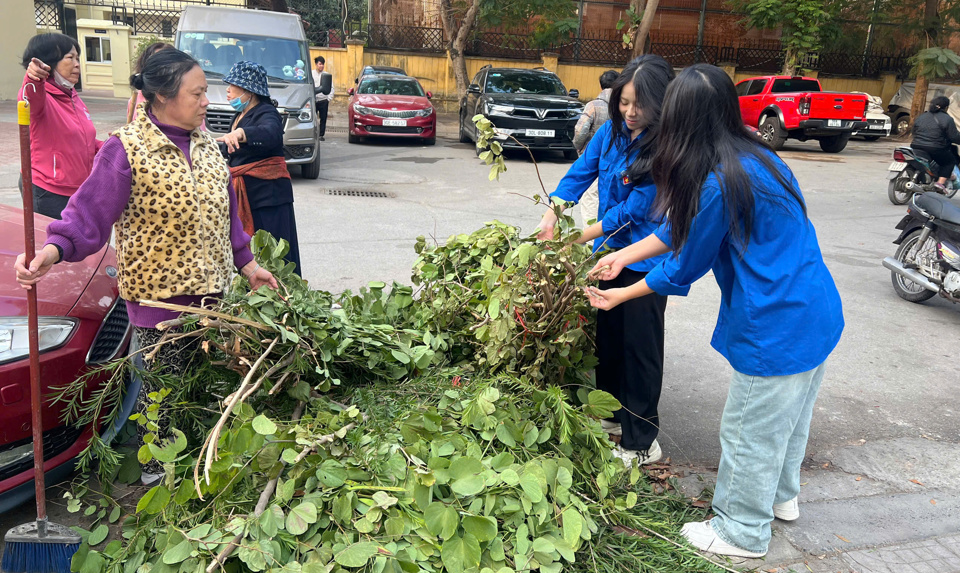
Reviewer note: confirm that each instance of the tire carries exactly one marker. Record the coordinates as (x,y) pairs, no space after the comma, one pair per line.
(871,137)
(896,196)
(311,170)
(351,138)
(464,138)
(772,133)
(906,288)
(834,144)
(901,125)
(430,141)
(570,154)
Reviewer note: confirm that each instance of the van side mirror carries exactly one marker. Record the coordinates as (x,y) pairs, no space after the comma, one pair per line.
(574,94)
(326,84)
(351,91)
(429,95)
(473,89)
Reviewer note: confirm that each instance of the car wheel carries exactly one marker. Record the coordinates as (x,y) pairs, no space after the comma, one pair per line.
(570,154)
(902,125)
(834,144)
(351,138)
(464,138)
(772,133)
(311,170)
(430,141)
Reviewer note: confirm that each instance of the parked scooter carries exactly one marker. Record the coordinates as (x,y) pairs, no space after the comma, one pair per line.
(910,173)
(928,259)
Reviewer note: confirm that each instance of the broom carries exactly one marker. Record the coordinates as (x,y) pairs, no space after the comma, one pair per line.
(40,546)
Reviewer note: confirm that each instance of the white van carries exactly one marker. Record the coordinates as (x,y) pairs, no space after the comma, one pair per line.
(220,37)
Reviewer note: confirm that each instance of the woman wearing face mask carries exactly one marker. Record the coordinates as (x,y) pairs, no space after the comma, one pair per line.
(629,338)
(255,148)
(63,140)
(177,242)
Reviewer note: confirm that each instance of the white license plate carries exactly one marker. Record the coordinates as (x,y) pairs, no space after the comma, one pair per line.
(395,122)
(880,127)
(540,133)
(834,123)
(897,166)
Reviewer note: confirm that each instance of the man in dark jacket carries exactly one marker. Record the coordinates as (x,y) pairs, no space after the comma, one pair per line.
(933,133)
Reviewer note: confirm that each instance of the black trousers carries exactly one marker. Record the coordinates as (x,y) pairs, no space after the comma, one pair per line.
(630,351)
(281,222)
(46,202)
(322,108)
(944,157)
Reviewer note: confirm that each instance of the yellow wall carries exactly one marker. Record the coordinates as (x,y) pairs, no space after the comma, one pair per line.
(16,28)
(115,76)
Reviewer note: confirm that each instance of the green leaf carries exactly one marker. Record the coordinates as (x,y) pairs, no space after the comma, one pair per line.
(98,534)
(271,520)
(466,473)
(154,501)
(532,487)
(383,499)
(356,555)
(264,426)
(572,526)
(114,514)
(441,520)
(300,518)
(332,474)
(483,528)
(601,404)
(510,477)
(460,553)
(93,563)
(178,553)
(400,356)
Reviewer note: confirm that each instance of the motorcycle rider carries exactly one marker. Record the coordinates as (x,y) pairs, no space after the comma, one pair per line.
(934,132)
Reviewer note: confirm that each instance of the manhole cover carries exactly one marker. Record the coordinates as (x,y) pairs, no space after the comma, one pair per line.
(359,193)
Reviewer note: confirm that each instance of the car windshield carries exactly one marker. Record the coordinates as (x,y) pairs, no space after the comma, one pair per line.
(284,60)
(391,86)
(790,86)
(524,83)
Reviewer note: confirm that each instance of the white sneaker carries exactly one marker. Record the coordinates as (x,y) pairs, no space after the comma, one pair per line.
(651,455)
(787,511)
(150,479)
(701,535)
(611,427)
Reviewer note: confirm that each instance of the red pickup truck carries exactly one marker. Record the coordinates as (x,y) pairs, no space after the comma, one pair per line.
(784,107)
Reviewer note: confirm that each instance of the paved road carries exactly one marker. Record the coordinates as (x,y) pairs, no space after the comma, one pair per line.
(887,413)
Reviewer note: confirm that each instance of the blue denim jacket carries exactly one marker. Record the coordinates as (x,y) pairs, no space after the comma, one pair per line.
(780,311)
(624,205)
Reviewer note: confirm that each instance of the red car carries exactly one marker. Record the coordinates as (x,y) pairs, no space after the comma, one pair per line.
(83,323)
(391,106)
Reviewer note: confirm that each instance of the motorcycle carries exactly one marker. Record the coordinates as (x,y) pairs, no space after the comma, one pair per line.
(927,261)
(911,173)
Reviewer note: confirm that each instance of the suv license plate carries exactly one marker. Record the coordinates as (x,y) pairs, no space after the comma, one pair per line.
(897,166)
(833,123)
(540,133)
(395,122)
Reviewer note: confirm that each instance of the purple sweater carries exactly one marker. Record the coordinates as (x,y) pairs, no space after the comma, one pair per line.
(89,217)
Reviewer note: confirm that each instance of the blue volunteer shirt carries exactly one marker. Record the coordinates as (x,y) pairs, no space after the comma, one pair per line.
(624,205)
(780,311)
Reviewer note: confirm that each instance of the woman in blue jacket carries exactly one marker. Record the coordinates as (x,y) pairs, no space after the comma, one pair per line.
(629,338)
(733,207)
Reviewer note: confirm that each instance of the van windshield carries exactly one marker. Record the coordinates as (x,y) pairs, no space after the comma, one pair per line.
(284,60)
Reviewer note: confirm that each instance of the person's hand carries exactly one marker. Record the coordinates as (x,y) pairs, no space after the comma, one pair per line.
(38,266)
(608,267)
(547,226)
(258,276)
(37,70)
(233,139)
(604,299)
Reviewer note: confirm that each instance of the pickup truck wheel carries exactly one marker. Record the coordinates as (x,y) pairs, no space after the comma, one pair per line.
(834,144)
(772,133)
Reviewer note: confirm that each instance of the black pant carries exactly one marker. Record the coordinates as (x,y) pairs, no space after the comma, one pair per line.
(46,202)
(944,157)
(322,107)
(630,351)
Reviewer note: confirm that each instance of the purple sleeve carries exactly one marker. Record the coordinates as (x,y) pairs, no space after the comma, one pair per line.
(238,237)
(96,206)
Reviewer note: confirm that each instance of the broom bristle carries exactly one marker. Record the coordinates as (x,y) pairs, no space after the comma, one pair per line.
(38,557)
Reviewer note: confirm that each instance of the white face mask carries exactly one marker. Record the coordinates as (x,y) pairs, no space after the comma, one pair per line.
(61,81)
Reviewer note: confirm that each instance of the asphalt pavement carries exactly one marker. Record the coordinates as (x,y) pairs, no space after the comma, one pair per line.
(881,482)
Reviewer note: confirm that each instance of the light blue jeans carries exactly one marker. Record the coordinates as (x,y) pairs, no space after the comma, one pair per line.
(763,436)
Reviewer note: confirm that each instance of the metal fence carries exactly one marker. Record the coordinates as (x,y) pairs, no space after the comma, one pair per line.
(149,17)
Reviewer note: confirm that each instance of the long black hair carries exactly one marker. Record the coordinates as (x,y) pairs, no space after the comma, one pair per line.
(701,132)
(649,74)
(162,74)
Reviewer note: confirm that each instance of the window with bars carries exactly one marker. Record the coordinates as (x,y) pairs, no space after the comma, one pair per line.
(97,49)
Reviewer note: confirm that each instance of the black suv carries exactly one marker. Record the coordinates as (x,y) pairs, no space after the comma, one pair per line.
(531,105)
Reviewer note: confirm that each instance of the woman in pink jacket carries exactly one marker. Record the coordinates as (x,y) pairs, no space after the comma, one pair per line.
(63,140)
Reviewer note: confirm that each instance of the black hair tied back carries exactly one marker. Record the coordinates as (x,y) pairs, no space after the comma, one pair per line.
(136,81)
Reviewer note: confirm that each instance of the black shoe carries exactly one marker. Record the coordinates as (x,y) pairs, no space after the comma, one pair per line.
(322,139)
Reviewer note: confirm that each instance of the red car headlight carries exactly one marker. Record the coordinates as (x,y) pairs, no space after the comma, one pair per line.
(14,341)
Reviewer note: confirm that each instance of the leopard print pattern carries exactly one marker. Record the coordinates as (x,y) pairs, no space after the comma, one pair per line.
(173,237)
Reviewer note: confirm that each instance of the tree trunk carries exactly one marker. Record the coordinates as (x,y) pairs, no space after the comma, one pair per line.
(931,29)
(457,39)
(641,42)
(919,97)
(790,62)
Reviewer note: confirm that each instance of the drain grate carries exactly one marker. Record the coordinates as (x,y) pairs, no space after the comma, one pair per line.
(359,193)
(336,129)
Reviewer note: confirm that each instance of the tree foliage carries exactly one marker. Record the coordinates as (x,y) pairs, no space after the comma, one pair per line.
(800,22)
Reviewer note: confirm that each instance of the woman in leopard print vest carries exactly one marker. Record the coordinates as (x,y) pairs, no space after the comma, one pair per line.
(162,186)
